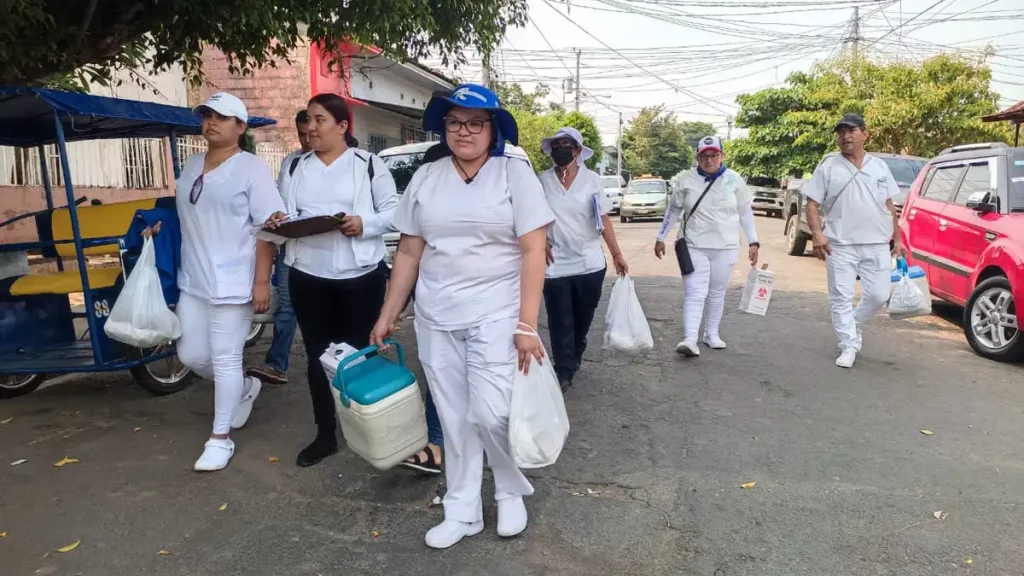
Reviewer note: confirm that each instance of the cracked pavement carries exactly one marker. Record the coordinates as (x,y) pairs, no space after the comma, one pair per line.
(846,482)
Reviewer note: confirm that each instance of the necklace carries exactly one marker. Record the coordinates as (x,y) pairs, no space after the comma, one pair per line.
(465,175)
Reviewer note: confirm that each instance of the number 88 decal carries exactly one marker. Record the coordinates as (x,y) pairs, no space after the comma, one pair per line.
(101,309)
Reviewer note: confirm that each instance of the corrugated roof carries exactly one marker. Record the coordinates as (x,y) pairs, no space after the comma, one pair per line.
(1014,113)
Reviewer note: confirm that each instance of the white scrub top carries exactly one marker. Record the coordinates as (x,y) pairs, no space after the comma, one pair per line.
(716,222)
(575,238)
(218,232)
(859,215)
(470,269)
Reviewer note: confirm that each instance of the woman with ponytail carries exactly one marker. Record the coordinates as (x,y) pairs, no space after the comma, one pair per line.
(337,279)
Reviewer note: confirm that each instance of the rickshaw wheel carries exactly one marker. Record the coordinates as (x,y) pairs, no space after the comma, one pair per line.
(255,333)
(14,385)
(160,382)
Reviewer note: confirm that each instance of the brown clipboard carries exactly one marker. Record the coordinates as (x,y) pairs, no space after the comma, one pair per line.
(303,227)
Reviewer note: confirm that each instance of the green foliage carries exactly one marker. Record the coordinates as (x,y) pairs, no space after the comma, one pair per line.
(248,142)
(694,131)
(909,109)
(655,143)
(535,125)
(74,42)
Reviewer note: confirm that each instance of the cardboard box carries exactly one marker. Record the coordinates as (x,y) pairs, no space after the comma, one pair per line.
(758,291)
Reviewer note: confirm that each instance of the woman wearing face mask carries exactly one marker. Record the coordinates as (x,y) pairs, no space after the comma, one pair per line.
(223,197)
(473,230)
(716,203)
(337,279)
(576,263)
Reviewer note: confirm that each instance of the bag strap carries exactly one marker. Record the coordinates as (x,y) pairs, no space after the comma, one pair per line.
(686,220)
(838,194)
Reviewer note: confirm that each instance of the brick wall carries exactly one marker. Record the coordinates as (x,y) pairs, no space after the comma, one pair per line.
(274,92)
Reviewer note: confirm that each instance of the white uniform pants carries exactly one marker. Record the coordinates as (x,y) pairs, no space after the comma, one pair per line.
(211,344)
(872,262)
(705,288)
(470,374)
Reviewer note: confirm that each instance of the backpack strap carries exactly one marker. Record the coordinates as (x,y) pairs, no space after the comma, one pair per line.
(295,163)
(369,164)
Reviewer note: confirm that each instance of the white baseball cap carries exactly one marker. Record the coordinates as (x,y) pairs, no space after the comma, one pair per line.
(709,143)
(226,105)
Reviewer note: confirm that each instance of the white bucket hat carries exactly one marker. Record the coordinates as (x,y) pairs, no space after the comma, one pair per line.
(575,136)
(226,105)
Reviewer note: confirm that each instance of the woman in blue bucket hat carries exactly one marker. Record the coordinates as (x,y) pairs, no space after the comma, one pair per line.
(473,226)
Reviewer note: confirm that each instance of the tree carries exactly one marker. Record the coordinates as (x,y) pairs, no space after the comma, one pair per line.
(535,124)
(44,41)
(915,109)
(694,131)
(514,97)
(655,143)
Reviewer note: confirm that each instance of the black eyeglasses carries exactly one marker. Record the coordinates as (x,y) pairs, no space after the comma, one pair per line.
(454,125)
(197,190)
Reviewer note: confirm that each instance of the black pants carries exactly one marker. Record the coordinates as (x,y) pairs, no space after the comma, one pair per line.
(331,311)
(571,302)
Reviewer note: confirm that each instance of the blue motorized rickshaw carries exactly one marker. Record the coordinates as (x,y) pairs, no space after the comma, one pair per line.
(40,332)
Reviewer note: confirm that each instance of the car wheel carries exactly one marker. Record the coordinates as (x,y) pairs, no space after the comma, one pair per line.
(623,219)
(990,322)
(13,385)
(779,214)
(796,240)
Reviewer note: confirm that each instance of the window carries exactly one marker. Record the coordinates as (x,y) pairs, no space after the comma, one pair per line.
(904,170)
(942,183)
(610,182)
(402,167)
(377,143)
(764,182)
(977,179)
(647,187)
(1016,185)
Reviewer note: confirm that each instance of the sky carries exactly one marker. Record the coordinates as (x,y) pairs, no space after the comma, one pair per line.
(695,57)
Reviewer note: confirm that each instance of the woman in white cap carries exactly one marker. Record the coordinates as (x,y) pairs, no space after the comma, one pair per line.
(224,196)
(715,203)
(473,230)
(576,262)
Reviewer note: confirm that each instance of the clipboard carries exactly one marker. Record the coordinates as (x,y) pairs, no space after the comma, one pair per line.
(309,226)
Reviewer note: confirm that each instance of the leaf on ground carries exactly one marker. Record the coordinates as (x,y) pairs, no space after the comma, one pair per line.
(968,561)
(223,507)
(65,460)
(138,429)
(69,547)
(3,534)
(374,533)
(19,462)
(748,485)
(163,553)
(273,459)
(7,420)
(927,432)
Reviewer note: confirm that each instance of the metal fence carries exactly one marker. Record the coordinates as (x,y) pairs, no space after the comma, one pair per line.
(128,163)
(272,154)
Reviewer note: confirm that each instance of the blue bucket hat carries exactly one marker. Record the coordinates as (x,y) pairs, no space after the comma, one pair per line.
(474,97)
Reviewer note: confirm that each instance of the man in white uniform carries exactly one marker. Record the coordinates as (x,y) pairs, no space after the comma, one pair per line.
(852,219)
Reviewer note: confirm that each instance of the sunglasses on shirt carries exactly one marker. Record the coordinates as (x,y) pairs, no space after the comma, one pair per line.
(197,190)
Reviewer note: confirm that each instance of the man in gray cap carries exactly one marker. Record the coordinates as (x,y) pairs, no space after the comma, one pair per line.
(852,219)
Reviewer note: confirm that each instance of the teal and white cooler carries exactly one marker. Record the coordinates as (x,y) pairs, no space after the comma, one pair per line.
(380,408)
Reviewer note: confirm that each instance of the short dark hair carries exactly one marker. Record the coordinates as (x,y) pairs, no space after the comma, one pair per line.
(302,117)
(338,109)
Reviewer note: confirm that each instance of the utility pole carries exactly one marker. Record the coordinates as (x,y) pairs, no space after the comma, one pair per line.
(728,133)
(487,72)
(854,37)
(578,53)
(618,153)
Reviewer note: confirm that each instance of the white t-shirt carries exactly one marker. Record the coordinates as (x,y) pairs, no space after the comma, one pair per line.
(286,165)
(575,238)
(218,232)
(326,190)
(716,222)
(470,270)
(859,214)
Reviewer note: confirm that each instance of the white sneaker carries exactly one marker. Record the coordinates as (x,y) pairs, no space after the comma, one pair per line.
(244,408)
(512,517)
(714,342)
(216,455)
(688,348)
(451,532)
(846,359)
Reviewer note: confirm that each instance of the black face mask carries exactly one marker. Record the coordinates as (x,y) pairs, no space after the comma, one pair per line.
(562,156)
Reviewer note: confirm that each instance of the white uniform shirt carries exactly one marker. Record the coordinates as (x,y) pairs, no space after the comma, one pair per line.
(716,222)
(470,270)
(218,232)
(859,214)
(575,238)
(322,191)
(286,165)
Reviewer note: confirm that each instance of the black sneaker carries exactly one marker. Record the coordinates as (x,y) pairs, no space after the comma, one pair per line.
(319,449)
(565,384)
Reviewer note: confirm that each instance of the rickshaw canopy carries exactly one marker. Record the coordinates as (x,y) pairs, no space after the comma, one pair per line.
(27,117)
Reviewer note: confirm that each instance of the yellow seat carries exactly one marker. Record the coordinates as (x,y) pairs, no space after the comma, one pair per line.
(66,282)
(101,221)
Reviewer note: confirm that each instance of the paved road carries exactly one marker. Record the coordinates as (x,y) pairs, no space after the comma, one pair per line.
(845,481)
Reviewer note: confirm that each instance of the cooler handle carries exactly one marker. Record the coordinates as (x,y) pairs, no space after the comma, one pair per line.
(339,379)
(901,265)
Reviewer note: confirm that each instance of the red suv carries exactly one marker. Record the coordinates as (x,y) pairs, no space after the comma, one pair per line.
(963,222)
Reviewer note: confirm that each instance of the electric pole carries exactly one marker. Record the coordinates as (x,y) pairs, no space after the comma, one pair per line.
(618,153)
(487,72)
(578,53)
(854,37)
(728,133)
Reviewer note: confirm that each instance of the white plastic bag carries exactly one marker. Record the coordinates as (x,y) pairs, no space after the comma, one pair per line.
(907,300)
(538,424)
(140,317)
(625,326)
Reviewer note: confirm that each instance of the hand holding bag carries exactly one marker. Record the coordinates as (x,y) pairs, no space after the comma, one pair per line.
(682,250)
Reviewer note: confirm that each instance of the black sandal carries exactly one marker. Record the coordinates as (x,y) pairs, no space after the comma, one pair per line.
(425,460)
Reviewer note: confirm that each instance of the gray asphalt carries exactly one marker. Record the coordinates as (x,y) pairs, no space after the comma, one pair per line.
(649,484)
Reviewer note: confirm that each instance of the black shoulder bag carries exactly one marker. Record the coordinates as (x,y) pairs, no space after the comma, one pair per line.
(682,250)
